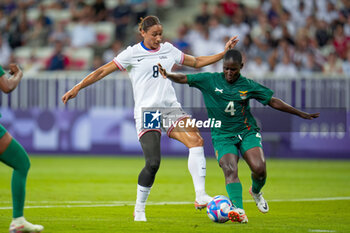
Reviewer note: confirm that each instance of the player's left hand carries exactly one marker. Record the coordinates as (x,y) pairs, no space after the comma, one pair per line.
(231,43)
(309,116)
(162,70)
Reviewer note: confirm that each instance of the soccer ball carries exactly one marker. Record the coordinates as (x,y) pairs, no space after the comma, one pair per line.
(218,208)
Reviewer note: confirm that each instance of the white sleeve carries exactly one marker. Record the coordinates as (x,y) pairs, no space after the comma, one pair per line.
(177,54)
(123,59)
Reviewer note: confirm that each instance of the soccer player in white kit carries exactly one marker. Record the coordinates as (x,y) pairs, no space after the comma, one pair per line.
(152,91)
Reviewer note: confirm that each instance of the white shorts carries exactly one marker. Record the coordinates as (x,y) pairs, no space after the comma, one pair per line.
(163,119)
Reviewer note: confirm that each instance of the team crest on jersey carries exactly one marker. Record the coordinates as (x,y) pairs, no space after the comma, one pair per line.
(243,94)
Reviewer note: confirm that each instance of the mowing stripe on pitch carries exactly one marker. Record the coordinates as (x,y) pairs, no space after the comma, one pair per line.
(81,204)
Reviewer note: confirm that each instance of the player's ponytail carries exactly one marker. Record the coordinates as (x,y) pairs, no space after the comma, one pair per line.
(148,22)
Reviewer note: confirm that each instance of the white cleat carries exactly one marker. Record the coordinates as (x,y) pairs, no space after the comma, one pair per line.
(140,216)
(237,215)
(260,201)
(20,225)
(202,201)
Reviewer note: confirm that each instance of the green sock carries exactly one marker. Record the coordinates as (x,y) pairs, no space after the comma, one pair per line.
(258,184)
(16,157)
(234,191)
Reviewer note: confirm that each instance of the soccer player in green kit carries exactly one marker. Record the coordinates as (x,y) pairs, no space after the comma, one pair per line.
(226,96)
(13,155)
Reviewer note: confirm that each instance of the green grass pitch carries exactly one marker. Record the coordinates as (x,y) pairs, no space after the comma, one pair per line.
(96,194)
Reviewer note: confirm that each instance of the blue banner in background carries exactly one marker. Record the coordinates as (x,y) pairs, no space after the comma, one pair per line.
(112,131)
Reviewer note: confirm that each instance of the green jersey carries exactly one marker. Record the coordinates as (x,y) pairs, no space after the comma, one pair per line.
(229,103)
(2,71)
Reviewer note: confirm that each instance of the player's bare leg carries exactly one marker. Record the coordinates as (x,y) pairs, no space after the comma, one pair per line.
(256,161)
(192,139)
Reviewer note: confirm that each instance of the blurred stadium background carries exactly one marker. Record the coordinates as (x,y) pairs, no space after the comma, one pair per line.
(300,49)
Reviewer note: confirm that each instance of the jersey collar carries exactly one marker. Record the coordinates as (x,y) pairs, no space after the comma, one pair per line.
(147,49)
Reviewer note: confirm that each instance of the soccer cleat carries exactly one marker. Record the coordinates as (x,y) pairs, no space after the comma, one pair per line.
(202,201)
(237,215)
(260,201)
(20,225)
(140,216)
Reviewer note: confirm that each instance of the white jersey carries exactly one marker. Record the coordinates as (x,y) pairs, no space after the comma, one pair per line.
(149,87)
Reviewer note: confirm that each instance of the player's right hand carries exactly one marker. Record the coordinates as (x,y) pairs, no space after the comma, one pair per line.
(162,70)
(14,68)
(72,93)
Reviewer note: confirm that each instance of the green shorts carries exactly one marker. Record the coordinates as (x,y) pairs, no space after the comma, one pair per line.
(242,142)
(2,131)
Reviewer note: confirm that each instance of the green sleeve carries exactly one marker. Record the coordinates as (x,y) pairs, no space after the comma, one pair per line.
(261,93)
(2,71)
(199,80)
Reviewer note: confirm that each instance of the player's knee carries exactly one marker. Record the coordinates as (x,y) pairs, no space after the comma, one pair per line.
(230,170)
(260,170)
(153,166)
(196,141)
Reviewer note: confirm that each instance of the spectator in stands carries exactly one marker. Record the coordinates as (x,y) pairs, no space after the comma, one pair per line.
(346,64)
(229,7)
(58,61)
(238,26)
(323,33)
(83,33)
(18,29)
(204,15)
(122,17)
(257,68)
(310,66)
(37,37)
(341,42)
(180,42)
(5,52)
(286,68)
(114,49)
(78,9)
(217,31)
(100,11)
(333,65)
(139,9)
(59,34)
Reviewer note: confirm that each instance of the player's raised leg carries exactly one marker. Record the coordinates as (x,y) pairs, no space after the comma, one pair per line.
(192,139)
(229,164)
(150,143)
(256,161)
(14,155)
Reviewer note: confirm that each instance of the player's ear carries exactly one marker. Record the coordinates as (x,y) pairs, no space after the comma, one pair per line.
(143,33)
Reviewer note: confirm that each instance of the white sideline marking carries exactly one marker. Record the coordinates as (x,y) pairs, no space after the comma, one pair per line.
(317,230)
(66,204)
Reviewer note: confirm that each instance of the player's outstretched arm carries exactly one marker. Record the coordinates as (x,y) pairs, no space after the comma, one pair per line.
(8,85)
(284,107)
(93,77)
(198,62)
(175,77)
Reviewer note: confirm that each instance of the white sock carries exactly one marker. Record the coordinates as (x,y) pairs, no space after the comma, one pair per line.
(197,168)
(141,198)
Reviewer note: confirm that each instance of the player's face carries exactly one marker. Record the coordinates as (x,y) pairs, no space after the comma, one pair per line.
(153,36)
(231,70)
